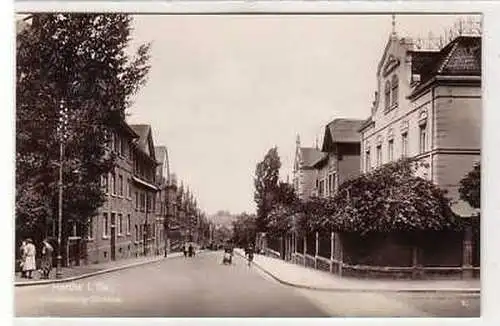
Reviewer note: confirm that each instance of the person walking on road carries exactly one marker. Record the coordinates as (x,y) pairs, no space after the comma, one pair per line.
(46,264)
(29,262)
(185,249)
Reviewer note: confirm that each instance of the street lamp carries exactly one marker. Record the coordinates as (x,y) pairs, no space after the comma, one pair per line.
(63,121)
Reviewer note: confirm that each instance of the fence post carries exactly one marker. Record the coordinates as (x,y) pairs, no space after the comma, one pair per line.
(317,250)
(332,238)
(467,271)
(305,249)
(341,255)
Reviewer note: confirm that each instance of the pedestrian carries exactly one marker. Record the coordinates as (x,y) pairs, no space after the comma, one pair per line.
(29,263)
(185,249)
(22,251)
(191,250)
(46,264)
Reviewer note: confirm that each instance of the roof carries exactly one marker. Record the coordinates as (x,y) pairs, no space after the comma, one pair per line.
(462,56)
(310,155)
(143,132)
(159,153)
(142,143)
(366,123)
(344,130)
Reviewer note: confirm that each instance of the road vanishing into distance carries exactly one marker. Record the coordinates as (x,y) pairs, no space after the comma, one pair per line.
(202,287)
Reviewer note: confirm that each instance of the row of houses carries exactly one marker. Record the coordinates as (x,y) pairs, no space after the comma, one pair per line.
(427,106)
(144,207)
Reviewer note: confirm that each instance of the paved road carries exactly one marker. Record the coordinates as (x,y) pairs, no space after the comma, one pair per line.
(202,287)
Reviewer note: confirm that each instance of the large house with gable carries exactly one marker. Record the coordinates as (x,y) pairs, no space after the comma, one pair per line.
(427,107)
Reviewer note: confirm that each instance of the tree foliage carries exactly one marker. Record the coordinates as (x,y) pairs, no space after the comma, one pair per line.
(266,183)
(470,187)
(389,199)
(76,62)
(244,230)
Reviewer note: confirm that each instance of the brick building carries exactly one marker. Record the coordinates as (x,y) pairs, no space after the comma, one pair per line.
(428,107)
(125,224)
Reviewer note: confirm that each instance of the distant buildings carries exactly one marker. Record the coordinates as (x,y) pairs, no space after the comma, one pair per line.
(304,174)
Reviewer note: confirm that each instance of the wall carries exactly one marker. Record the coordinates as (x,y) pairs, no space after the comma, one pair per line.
(458,117)
(349,167)
(307,182)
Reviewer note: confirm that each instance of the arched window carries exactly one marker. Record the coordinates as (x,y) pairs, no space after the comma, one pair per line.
(387,92)
(395,90)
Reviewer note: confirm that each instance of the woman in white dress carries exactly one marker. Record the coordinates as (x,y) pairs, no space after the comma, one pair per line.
(29,264)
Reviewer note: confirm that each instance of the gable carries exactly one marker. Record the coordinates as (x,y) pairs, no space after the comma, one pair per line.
(328,145)
(150,148)
(390,65)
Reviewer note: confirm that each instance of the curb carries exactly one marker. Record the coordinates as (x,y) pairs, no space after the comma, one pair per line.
(472,291)
(104,271)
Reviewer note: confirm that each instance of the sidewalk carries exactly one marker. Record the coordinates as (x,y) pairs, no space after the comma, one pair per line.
(303,277)
(78,272)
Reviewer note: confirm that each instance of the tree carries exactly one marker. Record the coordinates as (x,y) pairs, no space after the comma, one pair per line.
(470,187)
(244,229)
(266,186)
(390,199)
(78,64)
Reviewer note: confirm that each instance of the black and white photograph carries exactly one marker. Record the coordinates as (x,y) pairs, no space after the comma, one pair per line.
(248,165)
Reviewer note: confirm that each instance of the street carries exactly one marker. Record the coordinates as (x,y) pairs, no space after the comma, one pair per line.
(203,287)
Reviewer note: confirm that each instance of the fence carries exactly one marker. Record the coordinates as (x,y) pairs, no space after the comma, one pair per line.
(393,255)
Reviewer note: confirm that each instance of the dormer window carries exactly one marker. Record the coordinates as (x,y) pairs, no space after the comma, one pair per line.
(395,90)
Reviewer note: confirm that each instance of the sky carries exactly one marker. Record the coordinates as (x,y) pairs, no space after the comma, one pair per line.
(223,89)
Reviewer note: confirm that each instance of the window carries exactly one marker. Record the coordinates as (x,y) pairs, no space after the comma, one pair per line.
(387,93)
(129,225)
(113,184)
(390,150)
(136,200)
(90,228)
(129,188)
(404,144)
(395,90)
(112,140)
(105,225)
(120,177)
(379,155)
(123,148)
(143,202)
(423,138)
(117,144)
(120,224)
(367,161)
(136,233)
(321,187)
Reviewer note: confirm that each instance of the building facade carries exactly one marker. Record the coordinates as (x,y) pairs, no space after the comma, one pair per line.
(304,173)
(427,107)
(125,224)
(341,148)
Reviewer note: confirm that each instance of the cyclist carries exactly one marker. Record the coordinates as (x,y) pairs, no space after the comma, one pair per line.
(249,252)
